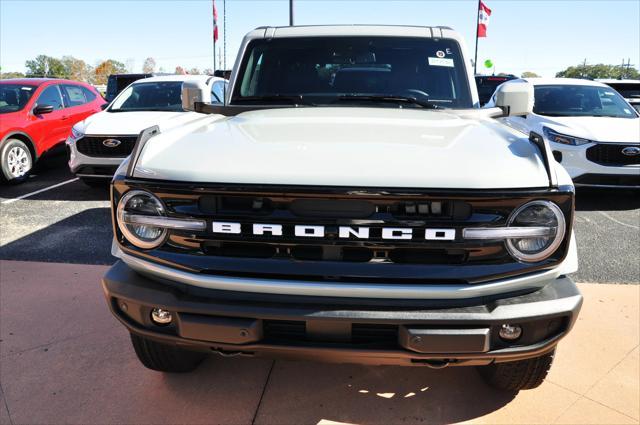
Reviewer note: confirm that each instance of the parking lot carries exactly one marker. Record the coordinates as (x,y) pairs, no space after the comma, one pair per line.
(61,350)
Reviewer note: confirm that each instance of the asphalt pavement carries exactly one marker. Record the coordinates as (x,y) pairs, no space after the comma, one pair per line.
(70,223)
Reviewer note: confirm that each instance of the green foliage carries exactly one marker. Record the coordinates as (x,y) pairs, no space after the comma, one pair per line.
(4,75)
(45,66)
(529,74)
(599,71)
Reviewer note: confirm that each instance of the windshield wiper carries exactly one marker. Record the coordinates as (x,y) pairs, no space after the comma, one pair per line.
(389,98)
(290,99)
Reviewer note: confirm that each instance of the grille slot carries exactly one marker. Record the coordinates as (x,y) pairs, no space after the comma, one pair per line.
(610,154)
(93,146)
(284,330)
(365,333)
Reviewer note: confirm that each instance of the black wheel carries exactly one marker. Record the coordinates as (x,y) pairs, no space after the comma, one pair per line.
(165,358)
(515,376)
(15,161)
(100,183)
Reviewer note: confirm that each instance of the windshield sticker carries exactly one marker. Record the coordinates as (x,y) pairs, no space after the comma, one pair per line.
(26,88)
(441,62)
(440,54)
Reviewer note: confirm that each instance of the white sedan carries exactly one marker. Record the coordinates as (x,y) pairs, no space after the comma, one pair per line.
(593,132)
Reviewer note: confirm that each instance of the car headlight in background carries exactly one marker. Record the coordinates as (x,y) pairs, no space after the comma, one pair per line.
(135,213)
(554,136)
(547,224)
(77,132)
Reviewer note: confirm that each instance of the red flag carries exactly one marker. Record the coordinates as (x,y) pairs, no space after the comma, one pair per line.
(215,21)
(483,19)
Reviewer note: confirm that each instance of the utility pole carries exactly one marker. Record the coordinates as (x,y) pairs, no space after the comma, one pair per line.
(291,13)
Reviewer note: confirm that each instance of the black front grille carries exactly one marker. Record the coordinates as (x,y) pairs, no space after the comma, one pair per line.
(94,146)
(610,154)
(376,257)
(608,180)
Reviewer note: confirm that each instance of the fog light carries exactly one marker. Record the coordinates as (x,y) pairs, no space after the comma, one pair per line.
(160,316)
(510,332)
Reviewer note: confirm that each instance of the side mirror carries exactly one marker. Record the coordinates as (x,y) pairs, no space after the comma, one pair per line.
(104,106)
(42,109)
(515,99)
(195,92)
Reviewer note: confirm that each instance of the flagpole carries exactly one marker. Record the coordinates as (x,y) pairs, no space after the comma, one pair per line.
(213,35)
(475,60)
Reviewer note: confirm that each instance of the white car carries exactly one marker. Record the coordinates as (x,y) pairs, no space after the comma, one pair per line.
(98,144)
(592,131)
(350,202)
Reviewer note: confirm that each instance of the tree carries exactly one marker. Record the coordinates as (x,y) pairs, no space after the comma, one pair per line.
(149,65)
(194,71)
(77,69)
(4,75)
(180,70)
(208,71)
(45,66)
(529,74)
(106,68)
(599,71)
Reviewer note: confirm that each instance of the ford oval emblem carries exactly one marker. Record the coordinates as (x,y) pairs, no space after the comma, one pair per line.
(112,143)
(631,151)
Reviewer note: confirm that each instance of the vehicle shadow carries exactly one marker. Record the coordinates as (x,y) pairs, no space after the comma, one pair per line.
(83,238)
(607,200)
(309,393)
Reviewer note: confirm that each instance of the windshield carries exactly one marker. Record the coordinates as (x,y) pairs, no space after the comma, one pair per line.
(354,70)
(159,96)
(580,101)
(13,97)
(488,85)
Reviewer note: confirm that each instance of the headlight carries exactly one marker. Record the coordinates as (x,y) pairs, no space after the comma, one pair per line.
(547,231)
(135,204)
(76,133)
(554,136)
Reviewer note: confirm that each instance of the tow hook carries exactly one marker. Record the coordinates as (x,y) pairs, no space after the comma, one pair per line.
(432,364)
(225,353)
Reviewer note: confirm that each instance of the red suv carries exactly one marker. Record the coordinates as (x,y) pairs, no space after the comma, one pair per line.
(35,115)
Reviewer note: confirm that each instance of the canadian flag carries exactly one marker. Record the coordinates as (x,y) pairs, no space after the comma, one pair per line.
(483,19)
(215,21)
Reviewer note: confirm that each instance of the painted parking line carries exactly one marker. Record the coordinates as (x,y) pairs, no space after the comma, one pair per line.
(27,195)
(617,221)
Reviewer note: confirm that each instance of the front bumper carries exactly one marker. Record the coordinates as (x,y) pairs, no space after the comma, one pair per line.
(453,332)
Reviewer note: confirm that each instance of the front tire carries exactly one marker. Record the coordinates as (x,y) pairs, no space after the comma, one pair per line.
(16,161)
(165,358)
(515,376)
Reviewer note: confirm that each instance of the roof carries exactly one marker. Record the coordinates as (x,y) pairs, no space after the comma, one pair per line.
(176,78)
(560,81)
(355,30)
(36,81)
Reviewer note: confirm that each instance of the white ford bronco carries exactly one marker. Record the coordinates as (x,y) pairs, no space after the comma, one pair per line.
(349,202)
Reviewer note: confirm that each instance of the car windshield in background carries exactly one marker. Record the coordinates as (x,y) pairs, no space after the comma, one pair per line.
(13,97)
(159,96)
(580,101)
(488,85)
(378,71)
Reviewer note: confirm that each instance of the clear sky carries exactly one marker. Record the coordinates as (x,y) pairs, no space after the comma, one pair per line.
(543,36)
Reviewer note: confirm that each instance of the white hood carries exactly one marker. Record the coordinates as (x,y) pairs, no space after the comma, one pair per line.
(375,147)
(124,123)
(598,129)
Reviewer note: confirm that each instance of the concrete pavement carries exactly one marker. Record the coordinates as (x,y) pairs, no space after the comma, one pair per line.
(64,359)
